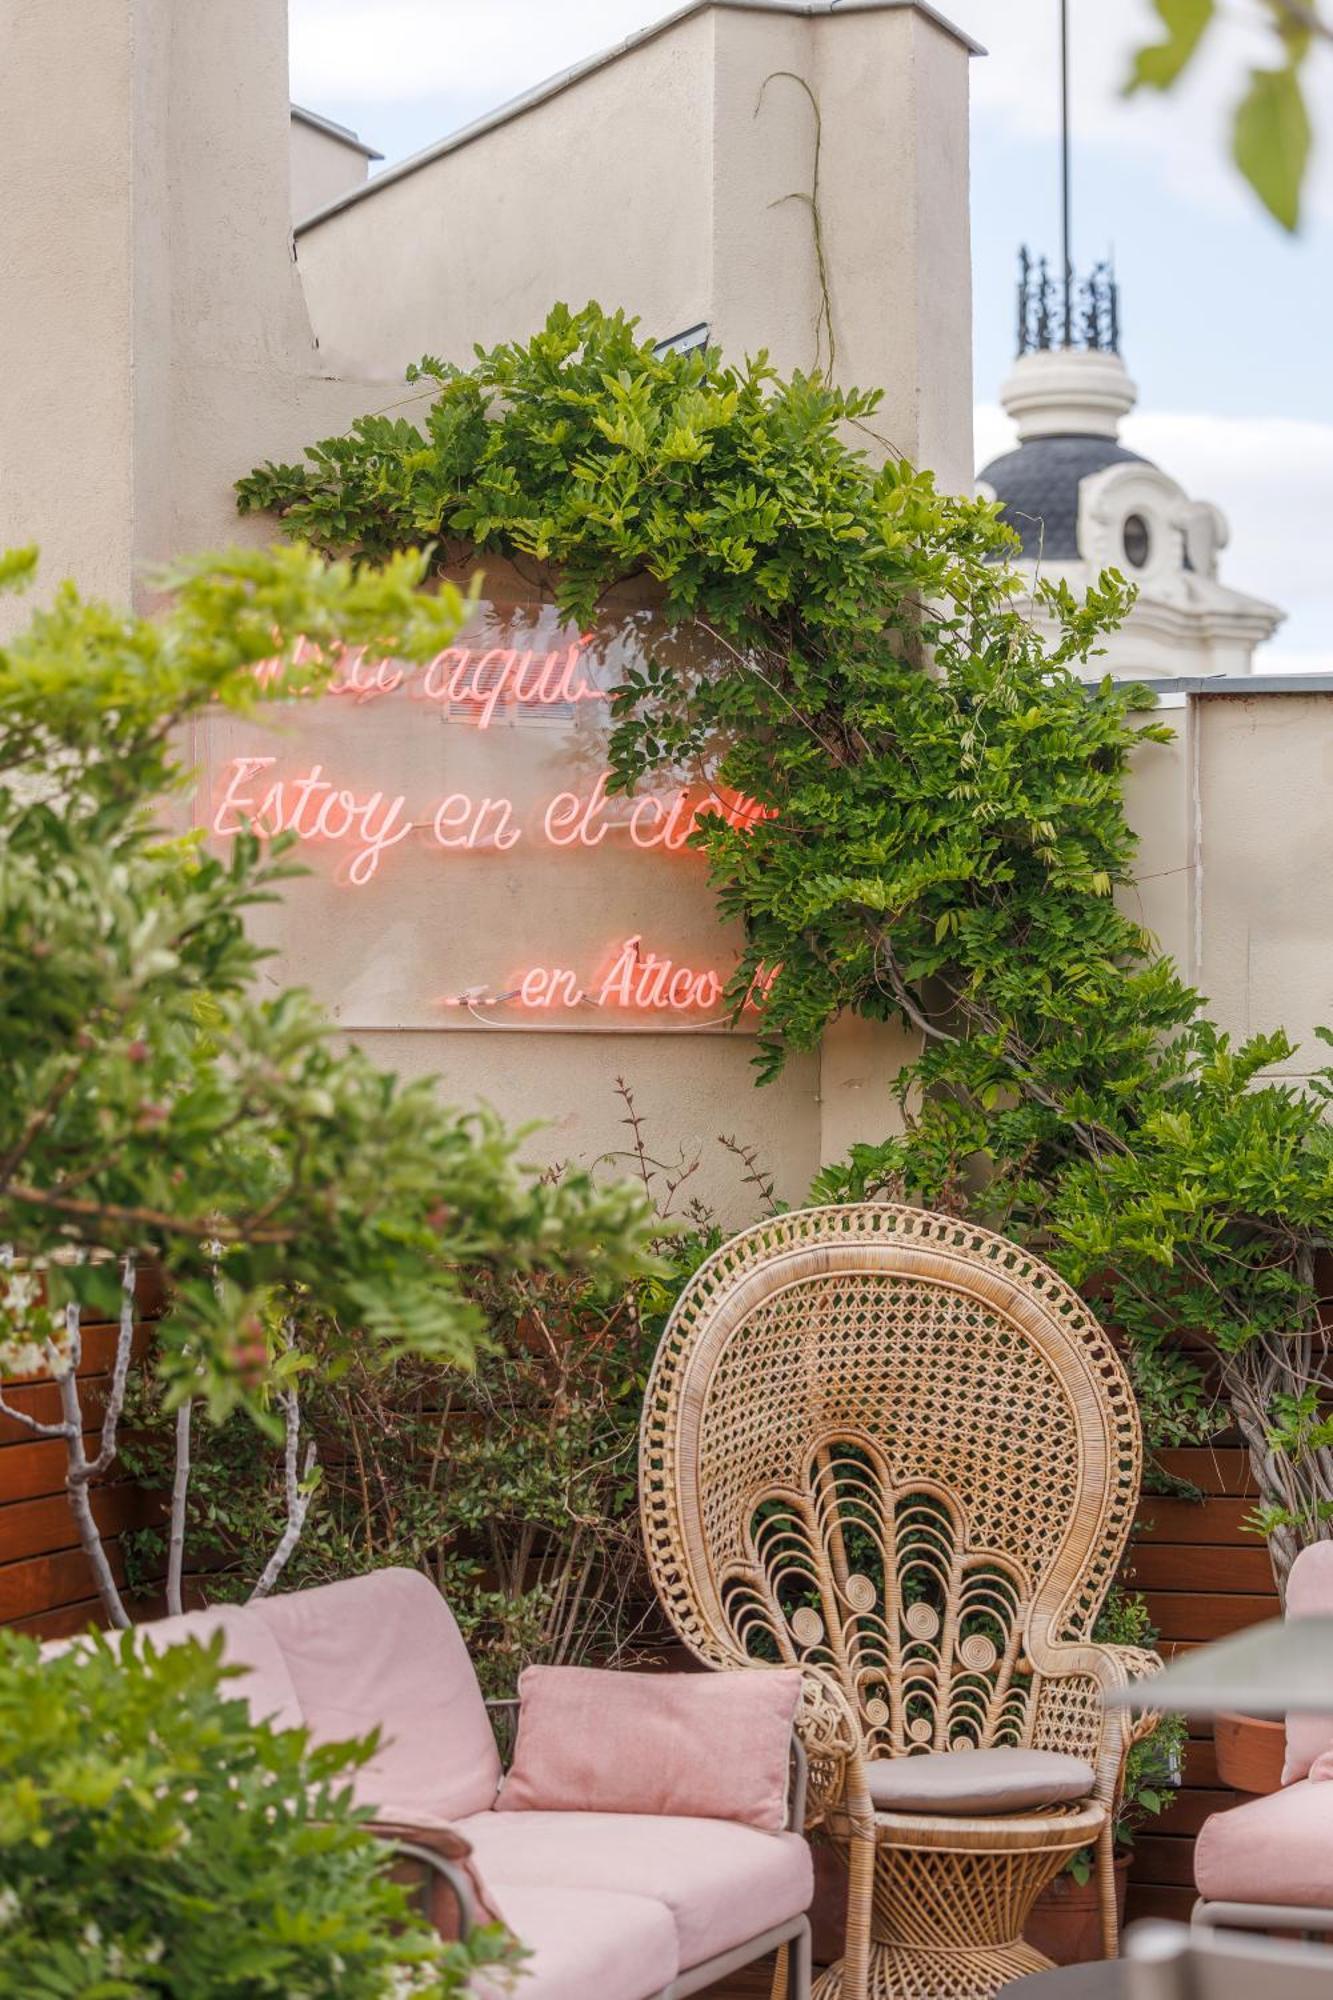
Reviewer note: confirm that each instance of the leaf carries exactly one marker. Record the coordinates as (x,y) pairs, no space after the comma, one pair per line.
(1159,65)
(1271,141)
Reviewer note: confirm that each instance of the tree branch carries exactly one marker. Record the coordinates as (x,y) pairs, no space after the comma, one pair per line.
(148,1218)
(299,1496)
(180,1492)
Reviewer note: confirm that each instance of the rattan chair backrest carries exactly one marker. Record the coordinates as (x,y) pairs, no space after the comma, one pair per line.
(888,1444)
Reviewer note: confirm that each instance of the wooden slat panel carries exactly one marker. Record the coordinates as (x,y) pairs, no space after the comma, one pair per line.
(38,1527)
(99,1347)
(1200,1763)
(1168,1905)
(1167,1862)
(1212,1469)
(29,1470)
(42,1401)
(1188,1811)
(61,1623)
(1180,1616)
(45,1583)
(1226,1572)
(1184,1521)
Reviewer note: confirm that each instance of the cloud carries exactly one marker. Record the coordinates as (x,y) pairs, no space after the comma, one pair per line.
(484,51)
(1016,89)
(1273,479)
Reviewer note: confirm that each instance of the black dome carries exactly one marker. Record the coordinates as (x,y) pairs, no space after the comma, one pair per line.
(1037,487)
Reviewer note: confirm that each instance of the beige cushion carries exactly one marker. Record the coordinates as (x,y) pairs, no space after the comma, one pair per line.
(978,1781)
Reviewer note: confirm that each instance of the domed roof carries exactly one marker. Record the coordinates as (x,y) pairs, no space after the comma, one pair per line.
(1037,487)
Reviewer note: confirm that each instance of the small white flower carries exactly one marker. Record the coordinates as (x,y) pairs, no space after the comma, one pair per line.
(10,1907)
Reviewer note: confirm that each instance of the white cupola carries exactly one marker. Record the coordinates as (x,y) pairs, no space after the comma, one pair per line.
(1081,501)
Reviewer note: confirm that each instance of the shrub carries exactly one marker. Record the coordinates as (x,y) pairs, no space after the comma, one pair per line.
(153,1840)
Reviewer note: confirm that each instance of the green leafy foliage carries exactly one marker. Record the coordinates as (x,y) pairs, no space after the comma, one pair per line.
(153,1099)
(1271,139)
(945,846)
(153,1840)
(514,1486)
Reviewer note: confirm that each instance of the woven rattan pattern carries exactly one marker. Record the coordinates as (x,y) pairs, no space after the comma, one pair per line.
(896,1449)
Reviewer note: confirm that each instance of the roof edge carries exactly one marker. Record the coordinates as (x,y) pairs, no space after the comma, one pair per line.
(335,130)
(552,86)
(1314,682)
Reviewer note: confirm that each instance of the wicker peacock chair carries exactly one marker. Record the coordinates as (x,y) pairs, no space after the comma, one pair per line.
(897,1451)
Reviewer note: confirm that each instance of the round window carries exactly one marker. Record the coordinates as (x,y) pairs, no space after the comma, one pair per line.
(1138,541)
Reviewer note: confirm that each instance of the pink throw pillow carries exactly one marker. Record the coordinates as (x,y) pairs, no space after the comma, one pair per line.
(693,1746)
(1309,1595)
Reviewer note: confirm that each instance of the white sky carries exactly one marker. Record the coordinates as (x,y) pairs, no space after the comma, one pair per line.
(1228,323)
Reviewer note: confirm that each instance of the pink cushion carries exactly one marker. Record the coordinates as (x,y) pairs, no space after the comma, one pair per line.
(1277,1849)
(1309,1595)
(703,1746)
(722,1883)
(978,1781)
(586,1944)
(383,1650)
(265,1687)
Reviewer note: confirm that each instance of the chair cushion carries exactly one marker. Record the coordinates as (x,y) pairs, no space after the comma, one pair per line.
(692,1746)
(1309,1595)
(265,1687)
(586,1944)
(1277,1849)
(722,1883)
(978,1781)
(383,1651)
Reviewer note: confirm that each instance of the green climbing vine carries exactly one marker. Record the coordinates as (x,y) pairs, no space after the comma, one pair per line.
(947,836)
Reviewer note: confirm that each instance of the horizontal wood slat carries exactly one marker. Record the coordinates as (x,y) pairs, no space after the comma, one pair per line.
(44,1575)
(1214,1471)
(1167,1905)
(28,1471)
(1226,1572)
(44,1583)
(1218,1521)
(1180,1616)
(1164,1862)
(41,1526)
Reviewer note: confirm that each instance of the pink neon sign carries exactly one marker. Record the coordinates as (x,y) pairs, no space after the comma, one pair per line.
(634,979)
(474,680)
(316,808)
(514,785)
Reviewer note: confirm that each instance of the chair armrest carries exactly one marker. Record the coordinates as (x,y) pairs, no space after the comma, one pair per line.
(830,1736)
(448,1895)
(1110,1734)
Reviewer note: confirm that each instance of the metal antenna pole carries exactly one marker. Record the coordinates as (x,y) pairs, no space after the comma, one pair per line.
(1064,172)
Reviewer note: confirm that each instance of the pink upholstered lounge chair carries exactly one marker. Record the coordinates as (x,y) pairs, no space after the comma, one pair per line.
(620,1905)
(1268,1864)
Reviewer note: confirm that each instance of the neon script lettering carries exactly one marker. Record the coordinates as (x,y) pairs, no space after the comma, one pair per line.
(635,981)
(313,808)
(476,680)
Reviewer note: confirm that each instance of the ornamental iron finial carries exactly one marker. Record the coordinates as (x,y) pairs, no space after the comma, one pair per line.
(1076,313)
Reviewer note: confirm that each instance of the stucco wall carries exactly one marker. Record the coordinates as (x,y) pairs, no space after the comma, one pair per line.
(156,342)
(323,166)
(1236,861)
(675,180)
